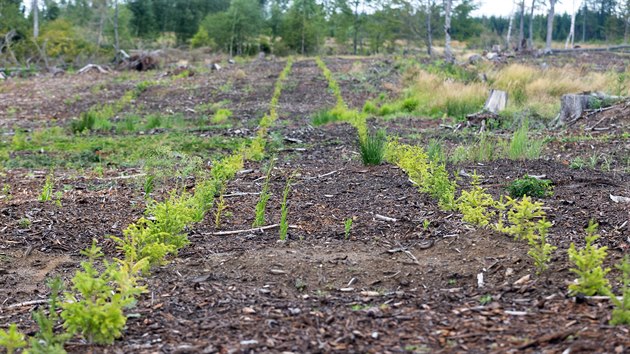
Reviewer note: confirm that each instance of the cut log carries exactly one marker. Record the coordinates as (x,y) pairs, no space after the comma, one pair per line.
(496,102)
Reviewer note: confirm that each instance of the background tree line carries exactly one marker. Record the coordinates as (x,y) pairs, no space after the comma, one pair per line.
(86,28)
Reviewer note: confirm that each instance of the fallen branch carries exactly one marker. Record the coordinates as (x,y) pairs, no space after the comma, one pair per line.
(89,67)
(322,176)
(122,177)
(240,194)
(28,303)
(549,338)
(384,218)
(234,232)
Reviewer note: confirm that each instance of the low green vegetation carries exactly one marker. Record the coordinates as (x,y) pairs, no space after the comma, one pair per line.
(521,146)
(476,204)
(221,116)
(284,210)
(12,339)
(53,148)
(347,226)
(264,198)
(588,265)
(373,148)
(102,290)
(530,186)
(621,313)
(592,279)
(47,190)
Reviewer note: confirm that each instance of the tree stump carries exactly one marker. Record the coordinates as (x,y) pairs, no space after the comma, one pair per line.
(571,107)
(496,102)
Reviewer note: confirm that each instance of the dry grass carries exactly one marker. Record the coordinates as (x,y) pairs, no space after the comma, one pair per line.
(530,88)
(437,96)
(541,89)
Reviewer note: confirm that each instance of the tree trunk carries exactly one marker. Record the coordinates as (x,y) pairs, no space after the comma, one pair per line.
(552,4)
(35,19)
(530,42)
(429,29)
(584,23)
(509,32)
(626,22)
(355,38)
(116,38)
(521,31)
(101,25)
(448,54)
(571,36)
(303,28)
(233,36)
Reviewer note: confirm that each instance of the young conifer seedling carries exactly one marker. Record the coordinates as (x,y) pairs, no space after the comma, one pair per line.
(588,265)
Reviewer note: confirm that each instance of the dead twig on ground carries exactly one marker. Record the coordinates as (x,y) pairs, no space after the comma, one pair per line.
(234,232)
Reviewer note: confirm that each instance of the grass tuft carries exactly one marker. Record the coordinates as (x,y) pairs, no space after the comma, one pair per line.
(373,148)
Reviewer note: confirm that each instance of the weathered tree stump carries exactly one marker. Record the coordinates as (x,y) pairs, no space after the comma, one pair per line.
(496,102)
(573,106)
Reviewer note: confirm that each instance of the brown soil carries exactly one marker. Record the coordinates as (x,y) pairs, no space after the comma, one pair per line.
(389,287)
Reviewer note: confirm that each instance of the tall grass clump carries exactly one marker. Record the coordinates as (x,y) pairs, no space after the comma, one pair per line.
(264,198)
(522,147)
(432,95)
(373,148)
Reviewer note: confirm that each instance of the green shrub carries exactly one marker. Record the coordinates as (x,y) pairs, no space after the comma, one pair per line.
(47,190)
(46,341)
(521,215)
(221,115)
(530,186)
(373,148)
(347,225)
(202,39)
(153,121)
(539,249)
(96,310)
(12,339)
(387,109)
(438,185)
(577,163)
(588,265)
(476,204)
(84,123)
(410,104)
(325,117)
(621,313)
(370,108)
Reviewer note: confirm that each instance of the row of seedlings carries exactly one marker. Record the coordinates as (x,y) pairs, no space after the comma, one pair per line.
(523,219)
(100,292)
